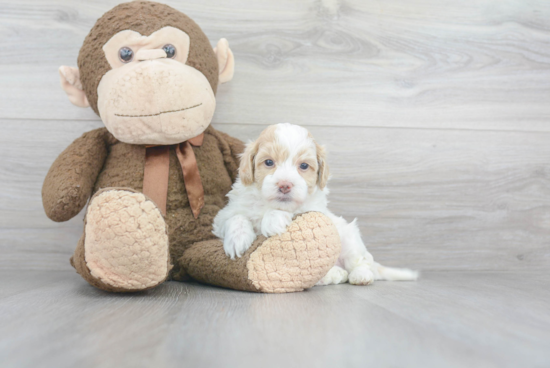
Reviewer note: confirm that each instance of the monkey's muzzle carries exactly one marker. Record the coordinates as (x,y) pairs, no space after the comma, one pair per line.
(155,102)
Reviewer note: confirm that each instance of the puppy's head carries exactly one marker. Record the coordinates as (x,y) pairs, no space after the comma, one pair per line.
(285,164)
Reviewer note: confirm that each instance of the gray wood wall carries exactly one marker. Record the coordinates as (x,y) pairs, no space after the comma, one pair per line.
(435,114)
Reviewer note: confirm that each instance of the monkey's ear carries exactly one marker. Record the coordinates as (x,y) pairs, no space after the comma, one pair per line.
(226,61)
(70,82)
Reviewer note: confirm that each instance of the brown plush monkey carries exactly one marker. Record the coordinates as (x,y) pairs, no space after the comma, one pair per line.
(157,174)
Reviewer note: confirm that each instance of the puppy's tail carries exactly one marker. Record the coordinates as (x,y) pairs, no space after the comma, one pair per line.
(395,274)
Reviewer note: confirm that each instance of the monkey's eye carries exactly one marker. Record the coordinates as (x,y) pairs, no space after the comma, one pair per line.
(269,163)
(304,166)
(125,54)
(170,51)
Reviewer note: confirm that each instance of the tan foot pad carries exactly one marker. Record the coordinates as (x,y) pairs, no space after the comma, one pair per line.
(296,259)
(126,243)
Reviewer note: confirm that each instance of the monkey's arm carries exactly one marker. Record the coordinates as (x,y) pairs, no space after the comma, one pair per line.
(231,149)
(70,180)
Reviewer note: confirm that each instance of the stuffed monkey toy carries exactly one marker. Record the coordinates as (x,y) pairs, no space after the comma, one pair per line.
(157,174)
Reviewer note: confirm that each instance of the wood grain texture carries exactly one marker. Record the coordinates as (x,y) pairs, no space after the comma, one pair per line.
(436,118)
(453,319)
(423,63)
(428,199)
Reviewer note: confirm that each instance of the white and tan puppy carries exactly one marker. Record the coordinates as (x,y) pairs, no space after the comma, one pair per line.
(284,173)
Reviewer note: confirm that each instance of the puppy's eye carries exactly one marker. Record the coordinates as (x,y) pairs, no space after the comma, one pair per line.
(170,51)
(304,166)
(125,54)
(269,163)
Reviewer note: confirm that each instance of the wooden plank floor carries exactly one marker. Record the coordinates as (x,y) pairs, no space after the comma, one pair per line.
(447,319)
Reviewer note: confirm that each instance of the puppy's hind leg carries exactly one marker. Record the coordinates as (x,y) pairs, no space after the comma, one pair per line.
(336,275)
(355,257)
(361,275)
(360,264)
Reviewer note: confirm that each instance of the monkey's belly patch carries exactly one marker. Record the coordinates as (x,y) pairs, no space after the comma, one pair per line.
(296,259)
(126,240)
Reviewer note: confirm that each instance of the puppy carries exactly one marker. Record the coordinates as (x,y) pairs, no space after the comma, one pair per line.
(284,173)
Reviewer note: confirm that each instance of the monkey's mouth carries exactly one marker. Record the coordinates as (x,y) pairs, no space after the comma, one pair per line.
(158,113)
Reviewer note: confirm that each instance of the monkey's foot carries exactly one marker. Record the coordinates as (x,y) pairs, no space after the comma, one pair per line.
(125,242)
(293,261)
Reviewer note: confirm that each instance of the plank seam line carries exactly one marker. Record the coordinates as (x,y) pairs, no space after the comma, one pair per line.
(318,126)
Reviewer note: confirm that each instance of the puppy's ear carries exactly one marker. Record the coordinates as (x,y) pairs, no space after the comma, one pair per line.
(246,168)
(323,167)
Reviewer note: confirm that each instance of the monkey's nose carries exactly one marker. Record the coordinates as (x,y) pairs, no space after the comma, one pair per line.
(284,187)
(143,55)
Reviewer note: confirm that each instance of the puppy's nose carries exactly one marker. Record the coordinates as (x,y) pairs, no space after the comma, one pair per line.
(284,187)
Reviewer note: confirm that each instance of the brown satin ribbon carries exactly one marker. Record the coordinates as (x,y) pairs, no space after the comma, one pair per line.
(156,172)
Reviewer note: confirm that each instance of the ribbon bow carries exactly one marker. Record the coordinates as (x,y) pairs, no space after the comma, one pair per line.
(157,169)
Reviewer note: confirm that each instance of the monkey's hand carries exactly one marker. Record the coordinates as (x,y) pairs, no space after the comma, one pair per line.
(70,180)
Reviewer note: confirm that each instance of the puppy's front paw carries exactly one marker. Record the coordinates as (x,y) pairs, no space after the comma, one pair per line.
(361,275)
(275,222)
(336,275)
(239,237)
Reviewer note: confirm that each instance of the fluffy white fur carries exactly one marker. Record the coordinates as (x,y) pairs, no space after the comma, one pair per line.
(261,207)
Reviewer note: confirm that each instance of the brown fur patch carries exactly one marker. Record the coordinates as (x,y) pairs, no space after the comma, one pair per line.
(248,160)
(144,17)
(323,167)
(310,175)
(268,151)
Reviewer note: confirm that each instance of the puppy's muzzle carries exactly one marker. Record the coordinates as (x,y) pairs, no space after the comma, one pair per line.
(285,187)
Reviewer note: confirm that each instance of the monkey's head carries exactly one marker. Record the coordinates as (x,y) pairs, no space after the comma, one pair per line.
(150,73)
